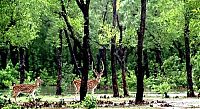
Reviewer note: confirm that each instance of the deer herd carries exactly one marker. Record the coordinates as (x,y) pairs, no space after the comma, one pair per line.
(31,88)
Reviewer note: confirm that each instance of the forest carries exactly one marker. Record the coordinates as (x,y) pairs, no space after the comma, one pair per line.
(99,54)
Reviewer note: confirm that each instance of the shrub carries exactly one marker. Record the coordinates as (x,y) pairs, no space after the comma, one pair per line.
(89,102)
(8,76)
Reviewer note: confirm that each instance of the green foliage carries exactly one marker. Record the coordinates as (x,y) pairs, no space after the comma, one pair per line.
(90,102)
(5,103)
(12,106)
(8,76)
(162,87)
(196,70)
(131,80)
(47,79)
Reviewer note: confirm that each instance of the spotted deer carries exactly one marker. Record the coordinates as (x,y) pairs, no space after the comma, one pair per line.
(26,88)
(91,84)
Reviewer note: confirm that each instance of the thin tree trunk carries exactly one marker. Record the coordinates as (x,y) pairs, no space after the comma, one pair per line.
(178,45)
(190,90)
(113,51)
(14,54)
(22,64)
(105,73)
(140,72)
(123,67)
(3,55)
(146,64)
(59,66)
(26,59)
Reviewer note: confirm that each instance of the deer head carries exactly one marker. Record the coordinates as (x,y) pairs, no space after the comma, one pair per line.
(38,81)
(98,74)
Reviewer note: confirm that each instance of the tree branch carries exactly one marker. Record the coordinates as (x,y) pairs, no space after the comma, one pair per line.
(71,51)
(80,4)
(70,28)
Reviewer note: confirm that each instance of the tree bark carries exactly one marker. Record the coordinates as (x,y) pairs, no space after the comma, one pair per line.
(105,72)
(113,51)
(190,90)
(146,64)
(178,45)
(86,57)
(59,65)
(140,72)
(3,57)
(14,54)
(26,59)
(22,64)
(86,54)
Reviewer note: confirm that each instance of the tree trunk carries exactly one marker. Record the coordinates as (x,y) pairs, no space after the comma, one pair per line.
(59,66)
(190,91)
(146,64)
(113,51)
(105,73)
(26,59)
(178,45)
(14,54)
(113,63)
(3,55)
(22,64)
(86,57)
(124,79)
(140,72)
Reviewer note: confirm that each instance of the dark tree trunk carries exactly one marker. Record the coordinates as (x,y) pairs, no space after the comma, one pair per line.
(146,64)
(14,54)
(158,56)
(3,55)
(158,60)
(98,66)
(140,72)
(22,64)
(32,55)
(178,45)
(123,67)
(86,57)
(59,65)
(190,90)
(105,73)
(26,59)
(122,58)
(113,51)
(84,6)
(86,54)
(124,79)
(113,63)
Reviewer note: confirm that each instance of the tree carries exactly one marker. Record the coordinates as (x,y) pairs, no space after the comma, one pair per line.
(59,65)
(190,90)
(140,72)
(113,51)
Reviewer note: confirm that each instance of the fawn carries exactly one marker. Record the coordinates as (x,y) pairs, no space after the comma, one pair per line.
(91,84)
(26,88)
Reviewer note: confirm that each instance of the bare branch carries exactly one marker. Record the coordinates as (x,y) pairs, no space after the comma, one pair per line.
(80,4)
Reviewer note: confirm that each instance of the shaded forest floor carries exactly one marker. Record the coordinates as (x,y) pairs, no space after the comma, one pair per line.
(151,101)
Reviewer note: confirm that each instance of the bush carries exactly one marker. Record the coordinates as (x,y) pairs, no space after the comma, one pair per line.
(89,102)
(8,76)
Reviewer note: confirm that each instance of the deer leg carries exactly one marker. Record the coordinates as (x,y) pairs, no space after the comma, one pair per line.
(92,91)
(33,95)
(15,94)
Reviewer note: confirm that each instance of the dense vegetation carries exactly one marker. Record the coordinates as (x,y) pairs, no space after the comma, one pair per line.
(59,40)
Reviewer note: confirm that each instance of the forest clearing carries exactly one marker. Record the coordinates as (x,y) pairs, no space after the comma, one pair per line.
(100,54)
